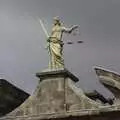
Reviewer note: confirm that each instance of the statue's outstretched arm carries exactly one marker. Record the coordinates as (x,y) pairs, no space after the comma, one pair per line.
(69,30)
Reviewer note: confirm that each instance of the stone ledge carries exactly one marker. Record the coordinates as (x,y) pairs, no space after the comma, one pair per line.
(56,73)
(66,115)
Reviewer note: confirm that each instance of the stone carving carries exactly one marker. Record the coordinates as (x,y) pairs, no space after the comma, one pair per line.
(111,80)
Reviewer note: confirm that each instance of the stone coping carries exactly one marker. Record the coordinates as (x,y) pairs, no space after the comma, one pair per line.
(66,114)
(56,72)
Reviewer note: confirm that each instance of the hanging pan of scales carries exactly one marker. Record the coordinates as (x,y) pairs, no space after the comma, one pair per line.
(76,32)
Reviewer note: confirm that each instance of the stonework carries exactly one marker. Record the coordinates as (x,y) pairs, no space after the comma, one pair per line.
(57,97)
(110,80)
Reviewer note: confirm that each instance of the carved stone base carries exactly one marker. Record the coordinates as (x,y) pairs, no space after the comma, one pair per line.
(56,96)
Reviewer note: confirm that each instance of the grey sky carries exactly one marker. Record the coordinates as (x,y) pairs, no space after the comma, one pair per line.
(22,40)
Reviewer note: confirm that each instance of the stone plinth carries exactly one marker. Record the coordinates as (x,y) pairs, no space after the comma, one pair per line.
(56,96)
(56,74)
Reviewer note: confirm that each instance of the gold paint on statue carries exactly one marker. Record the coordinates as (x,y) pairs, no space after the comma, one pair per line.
(55,44)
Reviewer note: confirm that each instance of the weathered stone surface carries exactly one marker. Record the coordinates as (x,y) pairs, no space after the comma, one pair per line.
(56,73)
(111,80)
(55,96)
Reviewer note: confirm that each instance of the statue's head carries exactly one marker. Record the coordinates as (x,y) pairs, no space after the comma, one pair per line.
(57,20)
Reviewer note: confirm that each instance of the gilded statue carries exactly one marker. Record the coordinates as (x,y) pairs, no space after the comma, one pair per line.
(55,43)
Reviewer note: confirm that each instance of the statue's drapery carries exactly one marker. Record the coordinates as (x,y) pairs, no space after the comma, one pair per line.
(56,47)
(55,44)
(56,54)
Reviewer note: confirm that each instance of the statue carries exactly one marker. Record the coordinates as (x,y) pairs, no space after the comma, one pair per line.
(55,43)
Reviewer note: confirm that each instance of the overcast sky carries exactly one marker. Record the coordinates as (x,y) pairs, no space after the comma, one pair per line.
(22,40)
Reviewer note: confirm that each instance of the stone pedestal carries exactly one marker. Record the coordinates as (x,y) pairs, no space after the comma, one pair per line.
(56,96)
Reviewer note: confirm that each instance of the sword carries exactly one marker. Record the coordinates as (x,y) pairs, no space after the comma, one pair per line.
(48,43)
(43,27)
(46,33)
